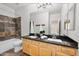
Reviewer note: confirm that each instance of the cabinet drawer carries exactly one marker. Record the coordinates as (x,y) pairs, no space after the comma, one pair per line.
(44,45)
(69,51)
(27,41)
(35,43)
(61,54)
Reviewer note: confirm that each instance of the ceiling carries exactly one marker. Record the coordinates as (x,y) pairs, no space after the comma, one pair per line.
(55,6)
(15,5)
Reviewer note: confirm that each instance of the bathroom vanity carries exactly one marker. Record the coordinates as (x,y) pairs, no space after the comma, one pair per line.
(44,47)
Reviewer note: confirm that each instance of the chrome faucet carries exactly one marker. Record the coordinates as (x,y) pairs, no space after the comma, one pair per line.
(54,36)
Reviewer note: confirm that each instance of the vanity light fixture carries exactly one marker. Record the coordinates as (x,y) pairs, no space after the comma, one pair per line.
(44,5)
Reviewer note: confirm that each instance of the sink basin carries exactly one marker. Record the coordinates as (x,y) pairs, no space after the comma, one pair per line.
(43,37)
(55,40)
(33,36)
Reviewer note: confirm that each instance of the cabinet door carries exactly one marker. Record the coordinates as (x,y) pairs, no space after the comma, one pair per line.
(68,51)
(44,52)
(44,49)
(53,49)
(26,46)
(34,50)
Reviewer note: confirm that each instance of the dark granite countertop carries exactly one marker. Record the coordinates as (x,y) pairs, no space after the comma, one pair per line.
(65,42)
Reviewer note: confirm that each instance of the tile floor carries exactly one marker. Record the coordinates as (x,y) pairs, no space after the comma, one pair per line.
(12,53)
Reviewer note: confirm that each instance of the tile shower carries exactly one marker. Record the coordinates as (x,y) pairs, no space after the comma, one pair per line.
(10,27)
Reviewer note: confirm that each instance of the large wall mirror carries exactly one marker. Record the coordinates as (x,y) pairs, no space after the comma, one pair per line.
(55,23)
(50,21)
(39,22)
(45,21)
(46,18)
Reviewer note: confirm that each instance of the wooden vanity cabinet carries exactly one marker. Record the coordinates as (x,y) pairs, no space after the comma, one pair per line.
(37,48)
